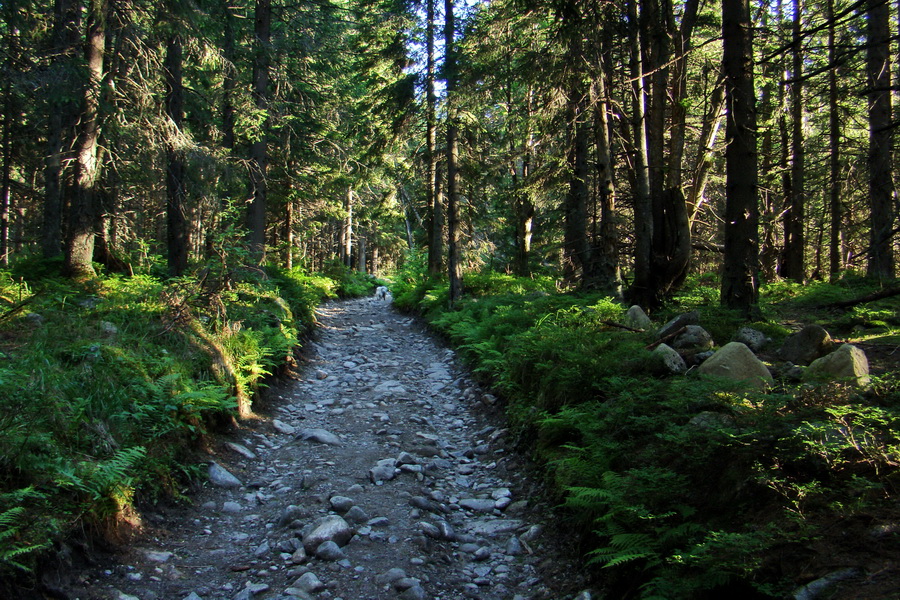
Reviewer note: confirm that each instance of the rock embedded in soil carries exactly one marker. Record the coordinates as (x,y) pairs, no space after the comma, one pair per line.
(220,476)
(327,529)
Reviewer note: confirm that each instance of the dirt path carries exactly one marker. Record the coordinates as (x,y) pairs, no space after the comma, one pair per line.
(380,474)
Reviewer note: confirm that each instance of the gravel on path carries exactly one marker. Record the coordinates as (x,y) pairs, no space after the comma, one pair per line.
(383,473)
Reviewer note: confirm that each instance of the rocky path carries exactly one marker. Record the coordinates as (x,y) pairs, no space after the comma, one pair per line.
(380,474)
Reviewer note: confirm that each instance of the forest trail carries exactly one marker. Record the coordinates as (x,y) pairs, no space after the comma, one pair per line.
(412,466)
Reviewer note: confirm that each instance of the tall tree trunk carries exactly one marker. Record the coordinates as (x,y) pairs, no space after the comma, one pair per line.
(834,144)
(256,215)
(454,268)
(679,92)
(433,217)
(576,250)
(229,77)
(605,252)
(83,214)
(793,264)
(642,288)
(346,251)
(740,288)
(61,117)
(176,220)
(288,235)
(6,141)
(881,188)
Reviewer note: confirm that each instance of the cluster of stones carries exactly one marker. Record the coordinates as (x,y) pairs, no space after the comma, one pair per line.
(808,355)
(377,481)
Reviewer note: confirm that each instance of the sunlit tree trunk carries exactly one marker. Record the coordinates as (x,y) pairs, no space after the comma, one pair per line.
(834,143)
(793,265)
(83,213)
(433,218)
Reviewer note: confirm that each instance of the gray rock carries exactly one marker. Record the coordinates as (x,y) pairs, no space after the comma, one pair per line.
(327,529)
(693,338)
(753,339)
(477,504)
(329,551)
(492,527)
(108,329)
(712,420)
(533,533)
(341,504)
(414,593)
(242,450)
(157,556)
(282,427)
(404,583)
(35,319)
(290,514)
(690,318)
(356,515)
(405,458)
(514,547)
(430,530)
(308,582)
(736,362)
(482,553)
(220,476)
(816,589)
(261,550)
(390,576)
(299,556)
(636,317)
(231,507)
(321,436)
(847,363)
(384,470)
(806,345)
(671,360)
(192,596)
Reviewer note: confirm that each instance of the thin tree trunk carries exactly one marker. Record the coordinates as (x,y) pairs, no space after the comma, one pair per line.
(706,145)
(453,259)
(83,215)
(679,92)
(741,264)
(346,253)
(229,78)
(432,219)
(576,250)
(881,189)
(605,254)
(176,220)
(288,234)
(793,264)
(8,116)
(834,143)
(256,216)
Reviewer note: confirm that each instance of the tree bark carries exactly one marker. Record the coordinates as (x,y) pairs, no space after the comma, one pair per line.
(576,250)
(834,145)
(6,141)
(176,220)
(605,253)
(229,77)
(881,188)
(641,291)
(454,268)
(433,217)
(83,214)
(256,215)
(793,265)
(741,264)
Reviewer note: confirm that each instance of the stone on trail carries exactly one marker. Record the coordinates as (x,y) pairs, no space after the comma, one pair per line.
(671,360)
(157,556)
(390,576)
(414,593)
(220,476)
(331,528)
(319,435)
(341,504)
(240,449)
(477,504)
(637,318)
(282,427)
(330,551)
(735,361)
(308,582)
(356,515)
(492,527)
(384,470)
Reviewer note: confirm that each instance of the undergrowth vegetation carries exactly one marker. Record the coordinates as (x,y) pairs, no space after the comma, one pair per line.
(689,487)
(107,388)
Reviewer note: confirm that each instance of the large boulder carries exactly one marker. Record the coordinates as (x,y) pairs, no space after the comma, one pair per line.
(671,360)
(847,363)
(806,345)
(682,320)
(637,318)
(737,362)
(755,340)
(694,337)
